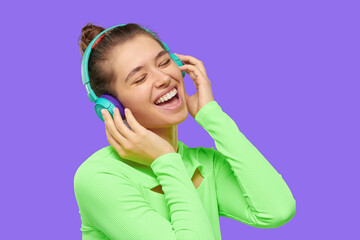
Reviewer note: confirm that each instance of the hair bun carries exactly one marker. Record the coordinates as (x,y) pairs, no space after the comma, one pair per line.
(88,33)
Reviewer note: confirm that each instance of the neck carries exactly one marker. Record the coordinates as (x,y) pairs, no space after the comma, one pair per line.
(169,134)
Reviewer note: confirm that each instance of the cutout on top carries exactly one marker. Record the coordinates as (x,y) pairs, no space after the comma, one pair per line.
(196,179)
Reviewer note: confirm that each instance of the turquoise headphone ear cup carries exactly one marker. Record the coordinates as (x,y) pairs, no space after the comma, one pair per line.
(178,62)
(108,102)
(102,103)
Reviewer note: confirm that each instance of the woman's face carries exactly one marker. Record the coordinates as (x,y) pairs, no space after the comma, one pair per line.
(139,90)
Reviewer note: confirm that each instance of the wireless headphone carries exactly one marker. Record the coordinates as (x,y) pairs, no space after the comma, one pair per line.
(107,101)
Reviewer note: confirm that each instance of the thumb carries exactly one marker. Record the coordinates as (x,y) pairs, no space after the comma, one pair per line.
(187,98)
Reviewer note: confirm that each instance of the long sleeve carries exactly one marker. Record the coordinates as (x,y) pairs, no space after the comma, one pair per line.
(248,188)
(112,203)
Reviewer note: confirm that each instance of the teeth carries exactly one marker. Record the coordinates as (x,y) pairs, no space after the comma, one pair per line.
(167,96)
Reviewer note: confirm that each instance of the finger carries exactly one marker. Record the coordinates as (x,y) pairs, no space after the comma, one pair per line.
(187,97)
(193,71)
(133,123)
(192,60)
(120,125)
(195,74)
(109,122)
(113,142)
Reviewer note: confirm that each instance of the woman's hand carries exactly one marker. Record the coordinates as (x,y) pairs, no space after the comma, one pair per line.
(196,70)
(139,144)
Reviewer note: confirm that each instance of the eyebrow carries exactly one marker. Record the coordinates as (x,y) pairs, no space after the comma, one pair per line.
(138,68)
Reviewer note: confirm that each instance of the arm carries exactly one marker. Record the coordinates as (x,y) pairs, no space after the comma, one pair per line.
(114,205)
(248,188)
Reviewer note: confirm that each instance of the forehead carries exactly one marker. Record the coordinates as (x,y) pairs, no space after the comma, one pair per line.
(135,52)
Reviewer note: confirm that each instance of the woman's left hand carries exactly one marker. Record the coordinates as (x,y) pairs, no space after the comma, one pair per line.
(196,70)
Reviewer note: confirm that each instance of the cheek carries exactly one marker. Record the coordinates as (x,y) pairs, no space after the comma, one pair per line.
(132,100)
(141,95)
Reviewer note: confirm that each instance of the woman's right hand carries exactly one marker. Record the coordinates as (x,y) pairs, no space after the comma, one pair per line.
(139,144)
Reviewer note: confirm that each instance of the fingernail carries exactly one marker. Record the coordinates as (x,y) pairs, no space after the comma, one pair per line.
(102,111)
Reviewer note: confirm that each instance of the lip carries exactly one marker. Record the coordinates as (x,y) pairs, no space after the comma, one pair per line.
(165,91)
(174,107)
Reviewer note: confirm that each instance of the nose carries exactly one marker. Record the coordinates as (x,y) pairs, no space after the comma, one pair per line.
(161,77)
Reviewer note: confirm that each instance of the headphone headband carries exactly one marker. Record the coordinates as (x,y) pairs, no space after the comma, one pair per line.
(106,101)
(85,61)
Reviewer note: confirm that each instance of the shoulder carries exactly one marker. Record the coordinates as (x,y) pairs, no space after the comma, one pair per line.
(203,156)
(211,158)
(197,151)
(99,166)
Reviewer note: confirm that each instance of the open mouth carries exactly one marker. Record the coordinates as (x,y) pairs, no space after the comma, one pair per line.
(173,103)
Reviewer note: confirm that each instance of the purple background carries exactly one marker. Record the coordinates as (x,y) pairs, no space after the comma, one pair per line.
(286,72)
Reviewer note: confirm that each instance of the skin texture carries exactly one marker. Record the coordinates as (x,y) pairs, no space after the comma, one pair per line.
(139,97)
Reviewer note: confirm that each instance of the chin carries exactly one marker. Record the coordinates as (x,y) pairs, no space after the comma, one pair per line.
(176,118)
(165,120)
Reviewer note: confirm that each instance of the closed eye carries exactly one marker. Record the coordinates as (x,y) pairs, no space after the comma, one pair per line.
(165,63)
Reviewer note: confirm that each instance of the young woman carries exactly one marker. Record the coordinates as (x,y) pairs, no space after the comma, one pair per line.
(149,185)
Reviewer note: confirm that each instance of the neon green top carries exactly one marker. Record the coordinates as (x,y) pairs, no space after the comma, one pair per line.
(115,201)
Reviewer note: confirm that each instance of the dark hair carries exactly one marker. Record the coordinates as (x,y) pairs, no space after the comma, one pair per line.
(102,77)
